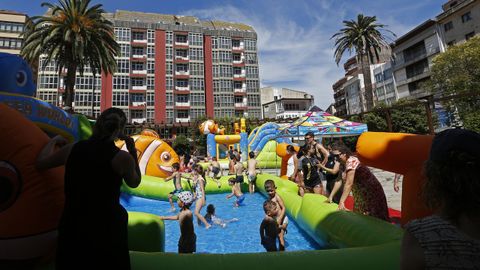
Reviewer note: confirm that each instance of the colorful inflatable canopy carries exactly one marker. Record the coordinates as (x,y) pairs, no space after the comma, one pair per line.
(322,123)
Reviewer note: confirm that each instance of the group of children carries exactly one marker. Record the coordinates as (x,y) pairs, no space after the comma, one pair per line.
(273,226)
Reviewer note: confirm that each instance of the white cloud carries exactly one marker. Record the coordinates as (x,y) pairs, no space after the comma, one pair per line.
(295,50)
(290,55)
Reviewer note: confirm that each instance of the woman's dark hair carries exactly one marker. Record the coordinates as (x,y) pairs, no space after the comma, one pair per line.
(291,148)
(111,120)
(453,183)
(342,148)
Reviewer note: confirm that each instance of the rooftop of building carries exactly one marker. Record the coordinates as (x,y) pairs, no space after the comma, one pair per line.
(415,31)
(452,6)
(11,12)
(136,16)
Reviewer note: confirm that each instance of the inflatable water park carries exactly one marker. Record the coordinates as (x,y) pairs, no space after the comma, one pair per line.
(32,201)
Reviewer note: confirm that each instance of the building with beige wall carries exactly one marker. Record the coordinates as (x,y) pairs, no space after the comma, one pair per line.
(12,24)
(459,21)
(281,103)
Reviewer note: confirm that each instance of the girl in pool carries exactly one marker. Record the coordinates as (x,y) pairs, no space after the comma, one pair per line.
(199,187)
(213,219)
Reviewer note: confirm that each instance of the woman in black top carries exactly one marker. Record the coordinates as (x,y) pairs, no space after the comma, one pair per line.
(334,182)
(311,177)
(93,226)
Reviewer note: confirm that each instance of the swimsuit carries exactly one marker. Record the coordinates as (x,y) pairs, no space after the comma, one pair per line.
(252,178)
(215,170)
(198,191)
(176,192)
(240,199)
(239,178)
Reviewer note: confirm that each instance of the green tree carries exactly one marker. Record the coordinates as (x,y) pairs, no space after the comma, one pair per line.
(364,37)
(75,36)
(411,118)
(457,71)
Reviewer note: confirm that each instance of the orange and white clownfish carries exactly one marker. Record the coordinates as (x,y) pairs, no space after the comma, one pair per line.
(155,157)
(31,201)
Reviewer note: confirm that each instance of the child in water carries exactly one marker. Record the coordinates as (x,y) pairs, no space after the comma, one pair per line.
(269,228)
(177,183)
(188,238)
(282,219)
(213,219)
(236,191)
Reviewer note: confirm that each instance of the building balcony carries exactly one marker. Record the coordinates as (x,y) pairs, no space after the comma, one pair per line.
(137,105)
(241,106)
(423,75)
(139,120)
(181,44)
(182,120)
(138,73)
(181,59)
(240,48)
(182,74)
(139,42)
(138,57)
(240,92)
(401,63)
(182,88)
(180,105)
(139,87)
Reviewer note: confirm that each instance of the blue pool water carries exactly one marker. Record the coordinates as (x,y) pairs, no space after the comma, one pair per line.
(237,237)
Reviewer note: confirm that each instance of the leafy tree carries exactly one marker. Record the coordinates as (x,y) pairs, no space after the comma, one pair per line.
(457,71)
(74,35)
(364,36)
(409,119)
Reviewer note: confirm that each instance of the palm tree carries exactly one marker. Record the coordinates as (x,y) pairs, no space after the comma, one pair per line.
(363,36)
(74,36)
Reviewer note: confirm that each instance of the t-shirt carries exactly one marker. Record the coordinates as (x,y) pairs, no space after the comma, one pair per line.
(310,169)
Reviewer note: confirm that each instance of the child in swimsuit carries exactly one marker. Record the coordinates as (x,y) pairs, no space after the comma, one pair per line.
(252,172)
(282,219)
(214,167)
(199,187)
(213,219)
(269,228)
(188,239)
(177,183)
(238,170)
(236,191)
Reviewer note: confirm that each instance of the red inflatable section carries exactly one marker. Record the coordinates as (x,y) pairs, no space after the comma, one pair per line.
(404,154)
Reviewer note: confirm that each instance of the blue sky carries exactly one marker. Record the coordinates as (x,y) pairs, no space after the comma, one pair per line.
(295,49)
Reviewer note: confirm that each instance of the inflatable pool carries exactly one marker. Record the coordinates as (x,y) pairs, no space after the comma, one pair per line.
(366,242)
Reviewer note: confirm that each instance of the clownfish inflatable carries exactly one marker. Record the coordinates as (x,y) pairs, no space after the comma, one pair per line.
(31,201)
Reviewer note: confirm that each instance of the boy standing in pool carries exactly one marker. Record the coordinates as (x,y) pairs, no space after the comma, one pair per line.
(177,183)
(238,170)
(252,172)
(269,228)
(236,191)
(188,238)
(282,219)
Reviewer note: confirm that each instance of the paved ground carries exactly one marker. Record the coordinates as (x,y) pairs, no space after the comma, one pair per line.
(394,199)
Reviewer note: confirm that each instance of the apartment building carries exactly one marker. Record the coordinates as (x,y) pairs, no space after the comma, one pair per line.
(171,69)
(12,24)
(413,54)
(385,89)
(281,103)
(459,21)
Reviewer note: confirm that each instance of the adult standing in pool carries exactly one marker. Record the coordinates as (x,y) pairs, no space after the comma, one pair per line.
(368,193)
(93,226)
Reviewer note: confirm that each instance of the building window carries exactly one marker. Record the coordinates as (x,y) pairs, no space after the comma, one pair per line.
(181,67)
(11,27)
(150,36)
(182,98)
(120,99)
(414,51)
(195,39)
(182,114)
(181,53)
(122,34)
(150,83)
(138,51)
(417,68)
(181,83)
(169,99)
(448,26)
(121,82)
(181,38)
(379,77)
(125,50)
(469,35)
(150,98)
(150,52)
(169,37)
(48,81)
(197,99)
(138,66)
(138,81)
(138,35)
(387,74)
(123,66)
(10,43)
(466,17)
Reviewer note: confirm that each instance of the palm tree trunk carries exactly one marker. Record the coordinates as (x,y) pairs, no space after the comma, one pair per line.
(367,79)
(69,87)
